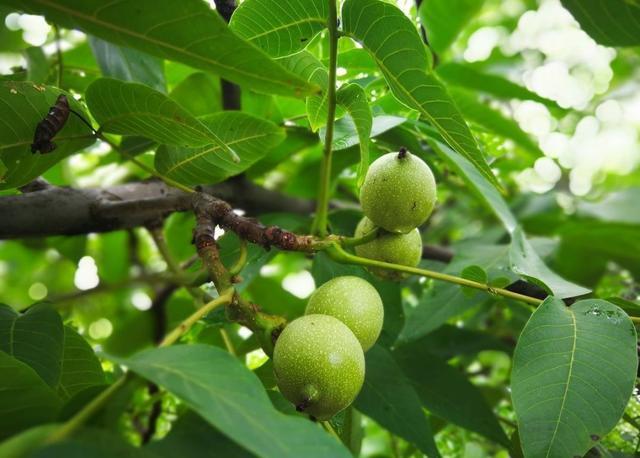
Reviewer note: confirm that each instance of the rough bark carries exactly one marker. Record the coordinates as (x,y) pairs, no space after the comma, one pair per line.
(67,211)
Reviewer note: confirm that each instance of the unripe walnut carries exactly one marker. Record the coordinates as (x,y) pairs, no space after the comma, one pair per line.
(399,192)
(353,301)
(404,249)
(319,365)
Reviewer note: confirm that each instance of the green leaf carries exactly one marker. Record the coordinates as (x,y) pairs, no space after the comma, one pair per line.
(469,77)
(135,109)
(94,443)
(389,399)
(3,171)
(574,369)
(493,120)
(251,138)
(25,105)
(354,100)
(37,65)
(229,396)
(447,393)
(345,132)
(35,338)
(199,93)
(22,445)
(445,19)
(191,436)
(280,27)
(305,65)
(25,399)
(128,64)
(80,367)
(523,258)
(609,22)
(588,236)
(188,31)
(436,307)
(449,341)
(398,50)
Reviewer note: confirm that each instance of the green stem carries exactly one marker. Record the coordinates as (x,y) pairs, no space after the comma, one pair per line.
(339,255)
(87,411)
(237,266)
(56,32)
(328,428)
(183,327)
(322,208)
(80,418)
(163,248)
(355,241)
(145,167)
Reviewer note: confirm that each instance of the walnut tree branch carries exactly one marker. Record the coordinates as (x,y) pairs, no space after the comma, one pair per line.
(68,211)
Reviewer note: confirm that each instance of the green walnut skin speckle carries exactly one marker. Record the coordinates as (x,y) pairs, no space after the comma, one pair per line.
(399,192)
(319,365)
(404,249)
(353,301)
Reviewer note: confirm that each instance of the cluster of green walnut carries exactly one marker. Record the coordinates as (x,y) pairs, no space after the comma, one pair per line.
(319,359)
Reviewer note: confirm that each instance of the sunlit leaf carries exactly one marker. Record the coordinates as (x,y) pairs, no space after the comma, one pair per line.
(354,99)
(280,27)
(251,138)
(188,31)
(402,57)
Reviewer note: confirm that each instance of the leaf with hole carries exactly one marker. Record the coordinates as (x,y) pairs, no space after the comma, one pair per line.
(251,138)
(574,369)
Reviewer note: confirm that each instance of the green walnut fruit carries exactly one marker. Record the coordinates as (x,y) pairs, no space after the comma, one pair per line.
(404,249)
(319,365)
(399,192)
(353,301)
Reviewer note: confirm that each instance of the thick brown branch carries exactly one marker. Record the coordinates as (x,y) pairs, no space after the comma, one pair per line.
(221,213)
(68,211)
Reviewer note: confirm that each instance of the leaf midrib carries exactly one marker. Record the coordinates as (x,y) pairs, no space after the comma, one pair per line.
(431,119)
(566,388)
(210,150)
(124,31)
